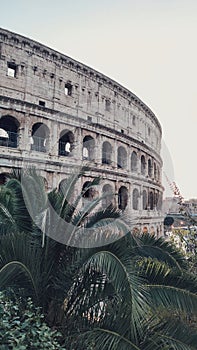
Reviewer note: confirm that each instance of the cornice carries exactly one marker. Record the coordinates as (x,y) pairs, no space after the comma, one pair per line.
(39,49)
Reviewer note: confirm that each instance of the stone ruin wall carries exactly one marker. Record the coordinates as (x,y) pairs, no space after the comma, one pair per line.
(40,85)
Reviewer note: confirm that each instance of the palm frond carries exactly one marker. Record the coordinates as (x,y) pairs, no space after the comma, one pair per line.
(180,300)
(106,339)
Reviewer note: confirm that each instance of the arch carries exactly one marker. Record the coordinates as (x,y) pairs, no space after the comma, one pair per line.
(66,142)
(135,199)
(122,198)
(158,174)
(144,200)
(143,165)
(156,198)
(3,178)
(88,191)
(122,157)
(9,131)
(151,200)
(136,230)
(88,147)
(134,161)
(40,137)
(150,167)
(107,192)
(155,171)
(145,229)
(106,153)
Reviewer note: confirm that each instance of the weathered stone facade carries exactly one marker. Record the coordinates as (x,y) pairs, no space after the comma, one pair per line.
(57,113)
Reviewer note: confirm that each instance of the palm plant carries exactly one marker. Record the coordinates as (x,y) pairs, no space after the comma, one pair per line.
(134,293)
(33,257)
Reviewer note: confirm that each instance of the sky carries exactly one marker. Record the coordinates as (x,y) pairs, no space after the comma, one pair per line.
(148,46)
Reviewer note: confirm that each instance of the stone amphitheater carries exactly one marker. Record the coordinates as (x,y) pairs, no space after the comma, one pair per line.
(57,114)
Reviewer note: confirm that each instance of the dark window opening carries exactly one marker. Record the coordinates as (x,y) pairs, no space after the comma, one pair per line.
(135,199)
(12,70)
(151,200)
(88,193)
(134,161)
(66,143)
(9,131)
(149,168)
(107,105)
(155,171)
(89,119)
(122,198)
(143,165)
(144,200)
(88,148)
(106,153)
(3,178)
(42,103)
(68,89)
(40,137)
(122,158)
(122,131)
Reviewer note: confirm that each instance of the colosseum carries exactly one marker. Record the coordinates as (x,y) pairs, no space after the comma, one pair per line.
(57,114)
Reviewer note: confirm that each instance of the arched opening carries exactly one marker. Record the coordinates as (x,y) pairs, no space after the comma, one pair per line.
(134,161)
(106,153)
(9,131)
(155,171)
(66,143)
(151,200)
(88,148)
(143,165)
(149,168)
(88,193)
(3,178)
(122,157)
(156,198)
(158,174)
(145,229)
(135,199)
(136,230)
(144,200)
(122,198)
(40,137)
(107,193)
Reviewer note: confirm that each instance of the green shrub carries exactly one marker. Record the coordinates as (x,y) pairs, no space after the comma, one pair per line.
(22,326)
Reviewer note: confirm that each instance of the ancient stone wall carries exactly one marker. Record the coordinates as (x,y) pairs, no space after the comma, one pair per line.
(58,114)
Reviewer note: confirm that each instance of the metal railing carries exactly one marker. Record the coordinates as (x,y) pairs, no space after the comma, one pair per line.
(10,141)
(39,144)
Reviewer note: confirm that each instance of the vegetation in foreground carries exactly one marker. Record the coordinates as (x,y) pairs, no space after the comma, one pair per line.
(135,293)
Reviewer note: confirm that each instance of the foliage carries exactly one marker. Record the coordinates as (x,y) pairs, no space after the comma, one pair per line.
(22,326)
(134,293)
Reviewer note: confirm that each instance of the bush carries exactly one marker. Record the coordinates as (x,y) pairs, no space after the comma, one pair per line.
(22,326)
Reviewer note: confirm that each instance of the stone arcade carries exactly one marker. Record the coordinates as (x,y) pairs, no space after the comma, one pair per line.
(57,113)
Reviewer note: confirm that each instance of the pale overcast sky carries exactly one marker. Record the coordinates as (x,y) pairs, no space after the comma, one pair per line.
(149,46)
